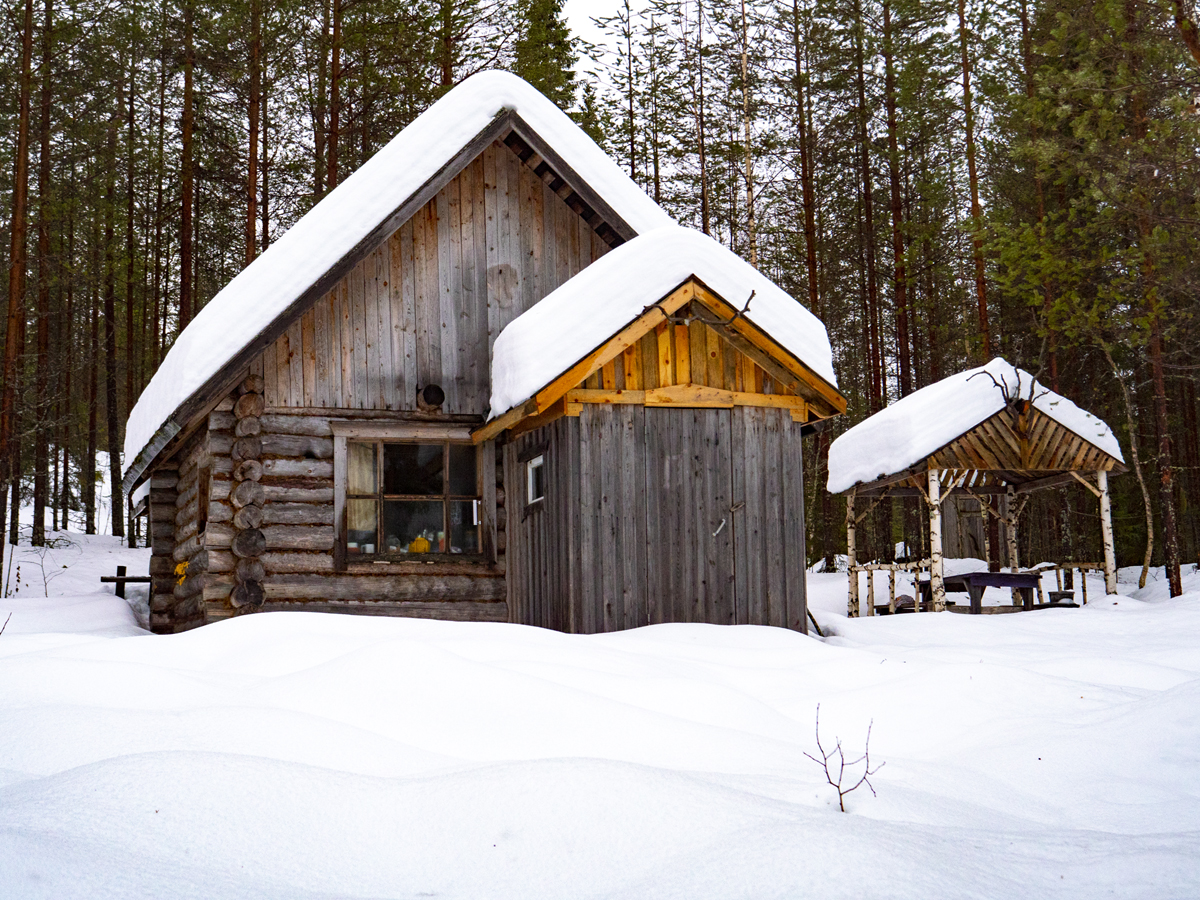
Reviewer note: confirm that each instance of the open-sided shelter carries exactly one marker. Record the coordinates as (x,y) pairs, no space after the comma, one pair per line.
(992,433)
(485,378)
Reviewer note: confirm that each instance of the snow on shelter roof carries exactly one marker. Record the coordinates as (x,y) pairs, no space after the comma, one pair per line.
(262,291)
(915,426)
(570,322)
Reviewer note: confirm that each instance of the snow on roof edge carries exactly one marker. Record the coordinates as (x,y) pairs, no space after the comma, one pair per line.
(262,291)
(580,315)
(915,426)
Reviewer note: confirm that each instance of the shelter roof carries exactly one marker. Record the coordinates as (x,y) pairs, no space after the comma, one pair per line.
(353,218)
(552,347)
(937,419)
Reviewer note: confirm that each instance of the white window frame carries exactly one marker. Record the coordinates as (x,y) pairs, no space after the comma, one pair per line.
(538,462)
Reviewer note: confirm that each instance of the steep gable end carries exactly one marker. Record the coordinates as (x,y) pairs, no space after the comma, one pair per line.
(424,306)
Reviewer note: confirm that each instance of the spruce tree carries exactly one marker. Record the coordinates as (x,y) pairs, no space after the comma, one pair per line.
(544,53)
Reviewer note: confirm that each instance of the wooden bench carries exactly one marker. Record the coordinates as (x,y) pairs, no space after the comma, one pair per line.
(121,579)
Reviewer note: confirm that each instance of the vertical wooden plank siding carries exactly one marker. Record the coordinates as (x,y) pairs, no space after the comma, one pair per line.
(426,306)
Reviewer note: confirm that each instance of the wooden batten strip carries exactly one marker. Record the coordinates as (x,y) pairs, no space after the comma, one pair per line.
(684,396)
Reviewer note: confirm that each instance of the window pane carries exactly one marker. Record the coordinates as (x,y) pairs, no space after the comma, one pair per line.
(413,526)
(462,470)
(464,526)
(361,519)
(412,469)
(537,485)
(360,469)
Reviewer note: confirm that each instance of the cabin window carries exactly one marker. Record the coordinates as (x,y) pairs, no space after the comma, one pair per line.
(535,483)
(411,498)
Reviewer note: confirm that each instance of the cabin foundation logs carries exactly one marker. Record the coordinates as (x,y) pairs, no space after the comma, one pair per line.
(247,496)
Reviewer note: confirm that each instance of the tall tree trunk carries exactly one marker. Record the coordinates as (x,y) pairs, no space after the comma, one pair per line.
(266,186)
(110,328)
(807,190)
(705,213)
(185,171)
(750,224)
(319,124)
(899,274)
(871,320)
(130,236)
(1040,194)
(985,334)
(335,99)
(252,131)
(1155,308)
(41,452)
(160,158)
(446,41)
(93,403)
(68,345)
(16,270)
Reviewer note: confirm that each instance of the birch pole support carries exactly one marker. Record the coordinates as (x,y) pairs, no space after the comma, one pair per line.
(1110,561)
(1010,531)
(852,604)
(937,584)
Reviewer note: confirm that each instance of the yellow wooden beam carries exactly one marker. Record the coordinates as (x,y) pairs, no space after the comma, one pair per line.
(615,346)
(755,336)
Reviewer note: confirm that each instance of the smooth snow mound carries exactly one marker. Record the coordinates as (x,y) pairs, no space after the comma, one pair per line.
(914,427)
(569,323)
(265,288)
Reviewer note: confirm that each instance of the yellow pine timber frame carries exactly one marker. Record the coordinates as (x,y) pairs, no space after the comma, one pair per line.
(810,397)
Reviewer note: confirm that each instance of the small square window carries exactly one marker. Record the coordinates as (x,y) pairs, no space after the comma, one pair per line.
(535,479)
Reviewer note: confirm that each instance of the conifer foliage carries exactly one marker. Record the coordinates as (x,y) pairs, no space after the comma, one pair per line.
(936,179)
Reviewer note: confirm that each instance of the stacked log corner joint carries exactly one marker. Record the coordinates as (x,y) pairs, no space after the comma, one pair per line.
(247,496)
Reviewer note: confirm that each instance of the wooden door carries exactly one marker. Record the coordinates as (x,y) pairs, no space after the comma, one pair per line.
(690,565)
(768,519)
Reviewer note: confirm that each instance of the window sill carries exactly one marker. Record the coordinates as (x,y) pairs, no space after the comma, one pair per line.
(434,564)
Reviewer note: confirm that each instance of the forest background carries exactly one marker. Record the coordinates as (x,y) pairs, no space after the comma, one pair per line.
(940,181)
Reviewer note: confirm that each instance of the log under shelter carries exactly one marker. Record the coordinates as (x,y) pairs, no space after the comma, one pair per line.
(486,378)
(991,434)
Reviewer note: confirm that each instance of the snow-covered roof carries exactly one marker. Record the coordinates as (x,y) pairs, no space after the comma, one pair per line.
(569,323)
(262,291)
(926,420)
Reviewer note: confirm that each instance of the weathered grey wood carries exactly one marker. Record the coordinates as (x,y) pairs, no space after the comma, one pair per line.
(246,517)
(246,448)
(286,493)
(251,425)
(297,514)
(384,588)
(249,405)
(451,611)
(297,468)
(298,537)
(247,493)
(248,543)
(247,593)
(297,446)
(248,470)
(277,562)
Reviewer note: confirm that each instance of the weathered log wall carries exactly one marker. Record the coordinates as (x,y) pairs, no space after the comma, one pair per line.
(659,515)
(161,527)
(285,546)
(184,607)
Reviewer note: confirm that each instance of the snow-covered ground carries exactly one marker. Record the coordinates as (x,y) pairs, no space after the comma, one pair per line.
(292,755)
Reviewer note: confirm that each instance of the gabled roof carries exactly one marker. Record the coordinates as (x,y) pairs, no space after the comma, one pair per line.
(549,348)
(354,217)
(912,429)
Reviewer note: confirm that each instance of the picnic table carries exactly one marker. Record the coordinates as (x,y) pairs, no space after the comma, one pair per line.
(974,583)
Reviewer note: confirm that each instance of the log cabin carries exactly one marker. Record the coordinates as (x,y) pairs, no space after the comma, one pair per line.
(486,378)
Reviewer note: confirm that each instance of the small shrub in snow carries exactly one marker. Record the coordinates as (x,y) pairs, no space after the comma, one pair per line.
(838,769)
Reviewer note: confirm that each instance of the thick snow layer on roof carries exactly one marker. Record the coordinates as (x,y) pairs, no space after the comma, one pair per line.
(914,427)
(542,343)
(264,289)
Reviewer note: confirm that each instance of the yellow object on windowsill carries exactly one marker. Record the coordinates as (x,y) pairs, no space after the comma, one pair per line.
(420,544)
